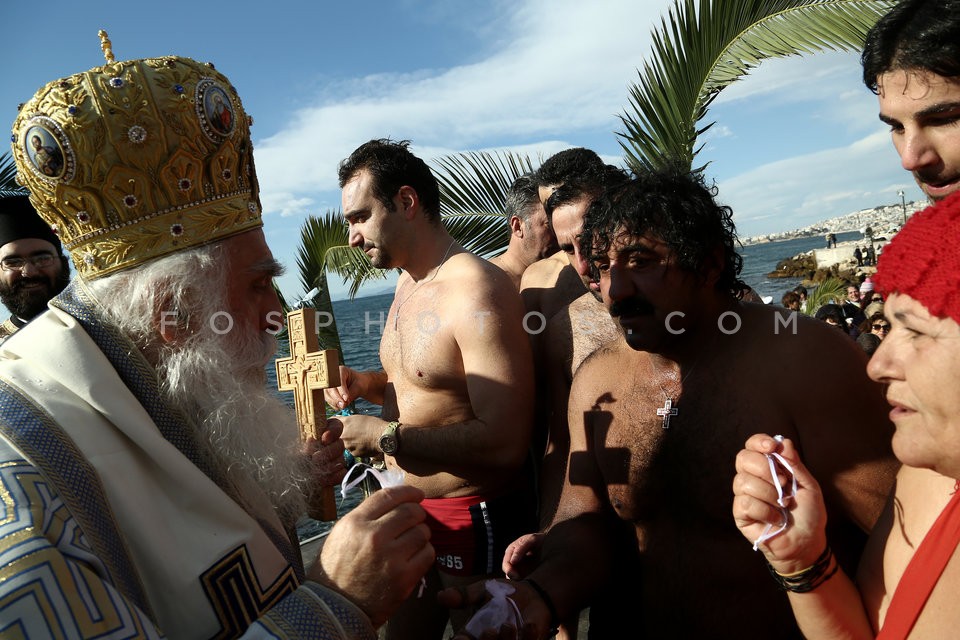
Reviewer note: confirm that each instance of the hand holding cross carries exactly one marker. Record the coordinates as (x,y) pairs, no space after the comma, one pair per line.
(307,372)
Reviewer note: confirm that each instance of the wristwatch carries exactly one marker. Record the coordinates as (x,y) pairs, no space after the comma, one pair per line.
(389,441)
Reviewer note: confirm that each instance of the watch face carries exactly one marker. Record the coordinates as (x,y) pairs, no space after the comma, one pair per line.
(388,444)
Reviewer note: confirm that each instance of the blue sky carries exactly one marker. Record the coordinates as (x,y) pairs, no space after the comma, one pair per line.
(796,142)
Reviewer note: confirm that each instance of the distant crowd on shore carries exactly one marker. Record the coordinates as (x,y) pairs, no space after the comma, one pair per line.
(855,308)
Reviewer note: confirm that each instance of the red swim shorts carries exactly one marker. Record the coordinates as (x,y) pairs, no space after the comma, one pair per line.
(470,533)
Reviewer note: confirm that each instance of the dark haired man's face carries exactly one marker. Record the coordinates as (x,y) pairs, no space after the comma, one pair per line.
(26,293)
(651,298)
(371,228)
(567,224)
(923,111)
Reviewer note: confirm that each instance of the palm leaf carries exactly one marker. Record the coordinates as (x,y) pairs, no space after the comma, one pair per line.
(830,291)
(323,246)
(8,177)
(473,193)
(704,45)
(484,234)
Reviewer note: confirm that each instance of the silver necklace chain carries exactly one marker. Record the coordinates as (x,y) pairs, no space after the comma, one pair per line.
(416,287)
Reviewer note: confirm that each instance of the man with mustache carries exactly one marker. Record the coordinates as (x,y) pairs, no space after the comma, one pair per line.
(657,418)
(33,268)
(152,481)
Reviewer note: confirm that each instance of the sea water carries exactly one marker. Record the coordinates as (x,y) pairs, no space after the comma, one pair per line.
(761,259)
(361,322)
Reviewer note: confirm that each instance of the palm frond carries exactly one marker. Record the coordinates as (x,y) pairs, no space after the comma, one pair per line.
(703,46)
(8,177)
(478,181)
(483,234)
(473,193)
(324,246)
(830,291)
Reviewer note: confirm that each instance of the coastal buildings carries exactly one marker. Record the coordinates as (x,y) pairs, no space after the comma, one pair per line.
(884,221)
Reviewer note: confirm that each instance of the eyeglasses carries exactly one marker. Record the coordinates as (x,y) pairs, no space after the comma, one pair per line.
(16,263)
(880,327)
(877,299)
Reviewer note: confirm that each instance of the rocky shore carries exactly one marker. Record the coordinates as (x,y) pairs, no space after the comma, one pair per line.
(813,267)
(804,266)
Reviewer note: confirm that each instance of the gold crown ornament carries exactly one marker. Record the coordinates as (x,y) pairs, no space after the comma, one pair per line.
(134,160)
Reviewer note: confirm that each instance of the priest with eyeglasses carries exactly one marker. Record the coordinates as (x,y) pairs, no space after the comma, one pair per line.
(33,268)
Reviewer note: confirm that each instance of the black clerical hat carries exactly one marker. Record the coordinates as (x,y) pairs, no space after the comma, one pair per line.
(18,220)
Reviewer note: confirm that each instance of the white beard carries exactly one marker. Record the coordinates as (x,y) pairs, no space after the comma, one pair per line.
(219,382)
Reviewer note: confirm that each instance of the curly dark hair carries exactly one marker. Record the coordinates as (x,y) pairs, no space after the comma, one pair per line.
(915,34)
(677,207)
(392,165)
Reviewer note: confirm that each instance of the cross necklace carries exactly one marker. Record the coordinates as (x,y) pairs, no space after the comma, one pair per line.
(416,287)
(667,411)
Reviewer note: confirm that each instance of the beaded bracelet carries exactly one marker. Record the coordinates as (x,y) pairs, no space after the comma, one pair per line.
(547,600)
(810,578)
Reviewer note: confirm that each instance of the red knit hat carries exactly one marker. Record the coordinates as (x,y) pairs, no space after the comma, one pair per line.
(923,259)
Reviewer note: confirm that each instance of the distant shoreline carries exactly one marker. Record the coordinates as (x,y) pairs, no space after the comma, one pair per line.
(885,220)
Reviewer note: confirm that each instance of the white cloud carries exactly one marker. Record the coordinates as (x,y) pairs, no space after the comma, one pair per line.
(799,191)
(556,73)
(562,68)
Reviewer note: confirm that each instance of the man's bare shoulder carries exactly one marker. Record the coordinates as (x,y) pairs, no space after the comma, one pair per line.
(544,273)
(793,337)
(588,307)
(464,267)
(474,285)
(577,330)
(514,271)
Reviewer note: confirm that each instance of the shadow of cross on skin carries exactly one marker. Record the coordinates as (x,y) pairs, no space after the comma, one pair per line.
(599,465)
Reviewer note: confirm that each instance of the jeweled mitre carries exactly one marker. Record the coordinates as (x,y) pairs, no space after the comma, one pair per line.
(134,160)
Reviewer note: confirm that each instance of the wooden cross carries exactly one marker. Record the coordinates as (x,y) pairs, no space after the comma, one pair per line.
(666,412)
(307,372)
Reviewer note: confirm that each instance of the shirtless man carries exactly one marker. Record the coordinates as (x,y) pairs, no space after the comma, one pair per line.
(531,238)
(549,285)
(656,420)
(568,183)
(453,349)
(576,329)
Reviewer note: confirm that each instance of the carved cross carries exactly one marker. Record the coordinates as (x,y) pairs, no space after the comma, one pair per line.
(666,412)
(307,372)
